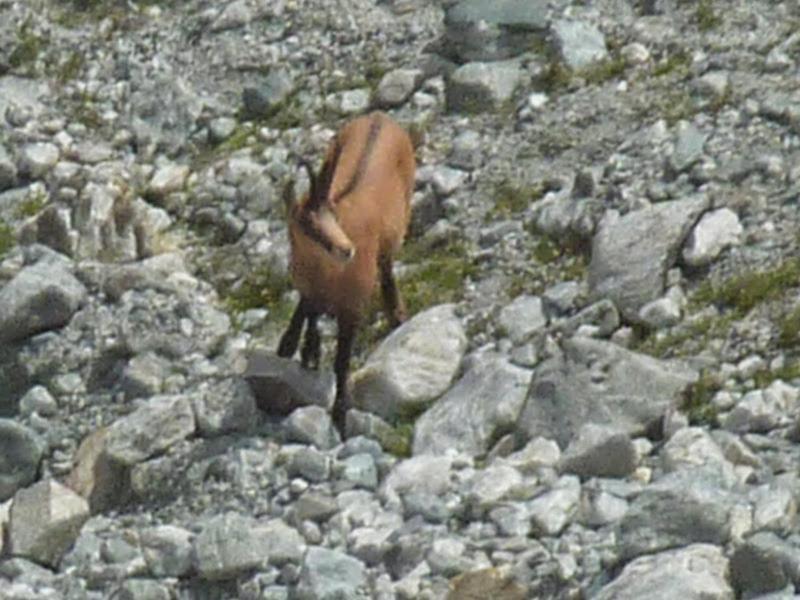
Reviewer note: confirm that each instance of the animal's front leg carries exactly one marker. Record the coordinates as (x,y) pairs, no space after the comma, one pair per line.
(392,302)
(311,345)
(344,348)
(291,337)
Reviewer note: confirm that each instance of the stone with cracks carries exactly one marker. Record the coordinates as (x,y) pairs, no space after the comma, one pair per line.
(715,231)
(152,428)
(696,572)
(40,297)
(594,381)
(482,87)
(688,506)
(471,415)
(331,575)
(45,521)
(579,44)
(20,453)
(632,254)
(488,31)
(230,545)
(413,366)
(599,451)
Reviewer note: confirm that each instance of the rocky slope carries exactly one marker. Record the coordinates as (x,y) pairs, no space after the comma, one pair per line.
(597,395)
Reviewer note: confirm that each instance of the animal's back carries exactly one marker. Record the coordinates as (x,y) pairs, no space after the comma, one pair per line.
(371,192)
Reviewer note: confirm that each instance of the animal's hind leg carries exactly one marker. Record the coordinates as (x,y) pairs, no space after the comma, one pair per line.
(311,344)
(392,302)
(291,337)
(344,348)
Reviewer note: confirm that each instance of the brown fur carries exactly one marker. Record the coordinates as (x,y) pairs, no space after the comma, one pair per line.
(366,180)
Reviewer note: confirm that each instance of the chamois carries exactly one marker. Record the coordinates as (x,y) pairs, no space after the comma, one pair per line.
(344,235)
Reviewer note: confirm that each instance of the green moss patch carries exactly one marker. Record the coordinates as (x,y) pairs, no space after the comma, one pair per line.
(511,199)
(697,400)
(436,275)
(7,239)
(742,293)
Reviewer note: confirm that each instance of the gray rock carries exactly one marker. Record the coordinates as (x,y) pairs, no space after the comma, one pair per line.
(331,575)
(149,430)
(555,509)
(599,451)
(689,145)
(170,325)
(20,453)
(564,216)
(425,474)
(221,128)
(38,400)
(468,418)
(715,231)
(281,385)
(285,544)
(593,381)
(396,86)
(97,478)
(312,425)
(91,152)
(563,297)
(167,179)
(310,464)
(492,485)
(349,102)
(445,180)
(53,228)
(757,411)
(315,507)
(601,317)
(267,97)
(661,313)
(685,507)
(230,545)
(224,406)
(8,170)
(467,151)
(142,589)
(40,297)
(696,572)
(360,470)
(775,509)
(412,366)
(478,87)
(144,375)
(105,223)
(599,508)
(522,317)
(632,254)
(537,453)
(578,43)
(480,31)
(512,519)
(692,447)
(45,521)
(167,550)
(446,557)
(37,159)
(764,563)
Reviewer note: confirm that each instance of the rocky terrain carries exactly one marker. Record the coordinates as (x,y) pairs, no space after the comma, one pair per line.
(597,394)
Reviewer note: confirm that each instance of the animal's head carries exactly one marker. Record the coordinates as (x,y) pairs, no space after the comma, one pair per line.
(316,218)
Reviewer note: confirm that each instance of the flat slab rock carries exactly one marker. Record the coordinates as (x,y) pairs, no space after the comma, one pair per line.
(595,381)
(632,254)
(281,385)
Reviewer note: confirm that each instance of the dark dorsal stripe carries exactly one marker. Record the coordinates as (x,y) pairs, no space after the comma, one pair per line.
(358,173)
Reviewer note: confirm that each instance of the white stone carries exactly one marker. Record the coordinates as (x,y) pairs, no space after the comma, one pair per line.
(413,366)
(715,231)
